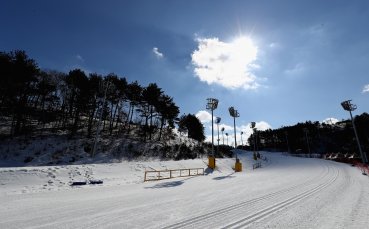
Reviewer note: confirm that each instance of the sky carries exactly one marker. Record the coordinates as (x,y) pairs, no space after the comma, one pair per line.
(276,62)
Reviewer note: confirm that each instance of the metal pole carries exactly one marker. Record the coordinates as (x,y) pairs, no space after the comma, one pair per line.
(212,133)
(234,125)
(254,140)
(235,141)
(218,137)
(363,157)
(241,139)
(223,136)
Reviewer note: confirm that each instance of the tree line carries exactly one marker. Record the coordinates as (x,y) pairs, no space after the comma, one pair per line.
(35,101)
(315,137)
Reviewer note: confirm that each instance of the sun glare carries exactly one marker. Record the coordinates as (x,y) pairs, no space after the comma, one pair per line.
(229,64)
(243,47)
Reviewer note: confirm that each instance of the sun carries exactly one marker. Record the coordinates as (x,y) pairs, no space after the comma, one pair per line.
(229,64)
(243,48)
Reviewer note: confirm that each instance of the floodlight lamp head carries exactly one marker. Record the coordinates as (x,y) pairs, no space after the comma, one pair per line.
(348,106)
(222,129)
(241,132)
(217,120)
(212,104)
(253,125)
(231,111)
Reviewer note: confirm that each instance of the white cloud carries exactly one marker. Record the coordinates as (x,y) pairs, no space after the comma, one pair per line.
(204,116)
(226,127)
(227,64)
(330,121)
(366,89)
(158,54)
(262,125)
(80,58)
(246,129)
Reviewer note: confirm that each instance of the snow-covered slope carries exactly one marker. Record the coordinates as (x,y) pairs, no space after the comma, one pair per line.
(287,192)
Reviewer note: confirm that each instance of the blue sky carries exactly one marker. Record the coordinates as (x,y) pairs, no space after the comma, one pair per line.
(276,62)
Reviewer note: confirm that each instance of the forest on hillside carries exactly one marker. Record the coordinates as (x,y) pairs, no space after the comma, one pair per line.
(35,102)
(315,137)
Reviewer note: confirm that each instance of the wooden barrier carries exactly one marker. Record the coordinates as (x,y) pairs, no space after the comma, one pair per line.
(172,173)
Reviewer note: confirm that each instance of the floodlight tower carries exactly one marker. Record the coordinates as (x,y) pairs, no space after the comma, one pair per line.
(212,104)
(254,130)
(348,106)
(234,113)
(223,134)
(241,138)
(217,121)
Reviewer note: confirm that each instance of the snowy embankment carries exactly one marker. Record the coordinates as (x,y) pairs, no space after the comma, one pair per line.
(287,192)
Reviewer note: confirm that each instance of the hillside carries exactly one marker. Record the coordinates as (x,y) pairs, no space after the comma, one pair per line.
(61,149)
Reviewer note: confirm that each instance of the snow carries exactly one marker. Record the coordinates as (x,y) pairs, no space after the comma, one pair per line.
(286,192)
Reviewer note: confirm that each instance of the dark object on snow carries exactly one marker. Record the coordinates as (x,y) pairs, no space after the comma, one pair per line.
(77,183)
(96,181)
(28,159)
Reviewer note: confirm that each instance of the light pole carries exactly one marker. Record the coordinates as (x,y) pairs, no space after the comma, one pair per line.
(227,138)
(223,134)
(217,121)
(234,113)
(254,130)
(241,138)
(212,104)
(348,106)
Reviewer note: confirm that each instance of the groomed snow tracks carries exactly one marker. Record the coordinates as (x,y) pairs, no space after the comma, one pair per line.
(244,214)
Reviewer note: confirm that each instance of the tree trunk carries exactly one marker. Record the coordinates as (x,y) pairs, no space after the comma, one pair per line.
(90,122)
(161,127)
(113,118)
(150,129)
(130,119)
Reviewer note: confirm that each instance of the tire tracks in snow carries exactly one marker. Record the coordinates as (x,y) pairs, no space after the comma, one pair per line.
(234,209)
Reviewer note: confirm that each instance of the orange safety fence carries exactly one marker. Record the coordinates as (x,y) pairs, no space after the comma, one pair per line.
(363,167)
